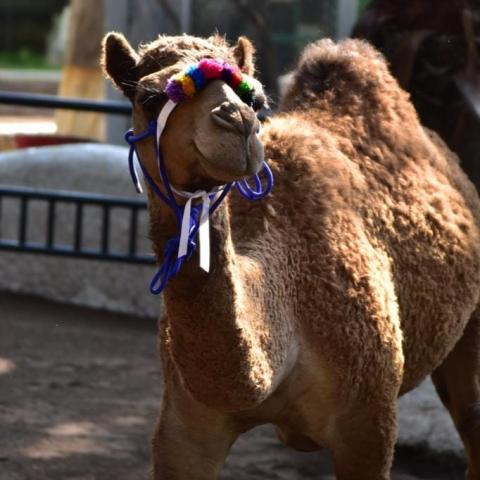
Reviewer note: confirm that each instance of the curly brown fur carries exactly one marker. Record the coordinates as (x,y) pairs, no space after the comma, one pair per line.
(354,280)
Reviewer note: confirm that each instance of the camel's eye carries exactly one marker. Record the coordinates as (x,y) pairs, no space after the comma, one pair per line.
(257,105)
(259,101)
(150,100)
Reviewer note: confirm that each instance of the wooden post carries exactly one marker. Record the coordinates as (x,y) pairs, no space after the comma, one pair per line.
(81,74)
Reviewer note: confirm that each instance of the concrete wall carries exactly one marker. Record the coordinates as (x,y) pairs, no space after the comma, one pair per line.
(82,167)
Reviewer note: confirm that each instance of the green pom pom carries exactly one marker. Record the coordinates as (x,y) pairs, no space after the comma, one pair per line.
(244,89)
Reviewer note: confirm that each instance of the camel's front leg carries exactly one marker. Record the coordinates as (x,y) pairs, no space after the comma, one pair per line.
(190,442)
(364,442)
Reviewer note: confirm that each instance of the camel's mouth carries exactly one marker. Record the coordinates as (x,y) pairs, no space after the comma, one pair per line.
(243,158)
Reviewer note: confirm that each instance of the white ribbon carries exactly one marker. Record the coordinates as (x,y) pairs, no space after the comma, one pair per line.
(203,229)
(204,221)
(163,117)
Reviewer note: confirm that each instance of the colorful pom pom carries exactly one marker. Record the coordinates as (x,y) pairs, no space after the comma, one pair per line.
(212,68)
(174,91)
(244,91)
(236,78)
(227,73)
(185,84)
(188,85)
(197,76)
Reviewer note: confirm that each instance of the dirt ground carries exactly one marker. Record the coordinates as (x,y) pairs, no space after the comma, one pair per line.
(79,393)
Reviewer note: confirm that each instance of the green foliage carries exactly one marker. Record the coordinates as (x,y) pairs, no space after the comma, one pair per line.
(27,23)
(22,58)
(362,4)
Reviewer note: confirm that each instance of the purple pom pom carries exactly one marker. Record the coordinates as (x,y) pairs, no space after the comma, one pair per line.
(174,91)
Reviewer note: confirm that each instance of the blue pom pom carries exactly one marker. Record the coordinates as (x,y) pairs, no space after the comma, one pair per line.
(227,75)
(197,76)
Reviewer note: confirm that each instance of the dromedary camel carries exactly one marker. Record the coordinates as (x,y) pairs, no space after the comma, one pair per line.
(354,279)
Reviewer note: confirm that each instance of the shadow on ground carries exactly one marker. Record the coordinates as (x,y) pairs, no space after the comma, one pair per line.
(79,394)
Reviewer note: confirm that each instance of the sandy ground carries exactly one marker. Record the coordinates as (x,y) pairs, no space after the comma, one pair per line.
(79,392)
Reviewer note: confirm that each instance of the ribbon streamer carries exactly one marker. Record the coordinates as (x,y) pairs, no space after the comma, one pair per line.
(203,224)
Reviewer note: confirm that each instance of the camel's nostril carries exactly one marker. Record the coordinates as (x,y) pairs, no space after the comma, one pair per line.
(228,116)
(234,117)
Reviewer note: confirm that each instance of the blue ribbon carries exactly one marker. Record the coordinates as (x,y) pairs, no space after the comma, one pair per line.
(172,264)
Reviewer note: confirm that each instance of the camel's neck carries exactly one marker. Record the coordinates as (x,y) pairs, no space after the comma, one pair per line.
(218,331)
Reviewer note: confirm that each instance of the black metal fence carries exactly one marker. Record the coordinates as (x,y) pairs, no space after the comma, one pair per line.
(25,196)
(53,101)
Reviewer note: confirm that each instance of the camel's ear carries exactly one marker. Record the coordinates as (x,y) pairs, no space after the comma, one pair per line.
(119,62)
(244,52)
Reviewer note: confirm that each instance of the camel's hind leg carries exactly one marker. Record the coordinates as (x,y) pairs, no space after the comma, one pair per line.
(458,384)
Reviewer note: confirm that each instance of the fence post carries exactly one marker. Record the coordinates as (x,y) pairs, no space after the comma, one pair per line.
(81,75)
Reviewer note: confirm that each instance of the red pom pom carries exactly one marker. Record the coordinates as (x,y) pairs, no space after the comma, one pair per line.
(236,78)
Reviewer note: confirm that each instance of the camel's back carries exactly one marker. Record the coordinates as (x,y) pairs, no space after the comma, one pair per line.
(374,211)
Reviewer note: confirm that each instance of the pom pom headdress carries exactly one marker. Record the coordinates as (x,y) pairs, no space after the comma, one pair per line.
(185,84)
(193,220)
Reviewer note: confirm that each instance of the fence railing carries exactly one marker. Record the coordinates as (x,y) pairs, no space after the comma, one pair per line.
(25,196)
(68,103)
(104,251)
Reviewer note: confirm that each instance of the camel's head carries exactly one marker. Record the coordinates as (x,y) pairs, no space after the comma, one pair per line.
(210,138)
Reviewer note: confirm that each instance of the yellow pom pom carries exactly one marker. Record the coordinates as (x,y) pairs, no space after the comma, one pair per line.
(188,85)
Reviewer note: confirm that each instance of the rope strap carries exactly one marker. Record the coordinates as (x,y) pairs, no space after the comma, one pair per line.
(191,219)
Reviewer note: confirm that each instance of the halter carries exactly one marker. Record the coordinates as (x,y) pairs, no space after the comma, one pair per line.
(192,219)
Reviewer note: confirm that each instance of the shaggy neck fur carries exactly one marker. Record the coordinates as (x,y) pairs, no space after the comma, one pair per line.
(218,330)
